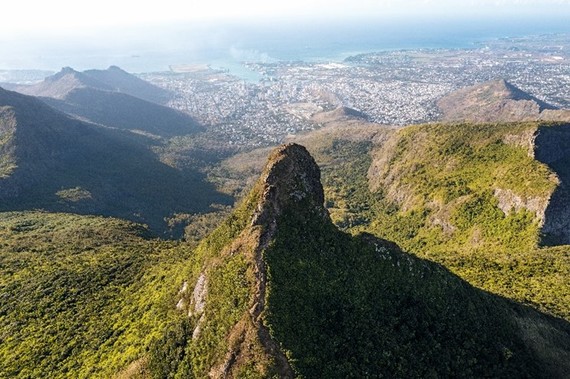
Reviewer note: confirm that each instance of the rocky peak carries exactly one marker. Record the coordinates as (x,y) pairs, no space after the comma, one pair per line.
(65,71)
(291,178)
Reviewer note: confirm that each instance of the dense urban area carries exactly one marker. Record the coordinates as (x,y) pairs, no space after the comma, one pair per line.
(393,87)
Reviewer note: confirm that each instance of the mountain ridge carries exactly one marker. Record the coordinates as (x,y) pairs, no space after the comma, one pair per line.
(61,83)
(333,303)
(129,84)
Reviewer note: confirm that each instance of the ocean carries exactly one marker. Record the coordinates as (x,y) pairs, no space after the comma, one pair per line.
(227,46)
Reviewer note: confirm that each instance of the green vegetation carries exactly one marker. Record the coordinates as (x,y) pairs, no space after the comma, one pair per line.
(228,293)
(82,296)
(90,297)
(74,194)
(60,164)
(435,198)
(342,308)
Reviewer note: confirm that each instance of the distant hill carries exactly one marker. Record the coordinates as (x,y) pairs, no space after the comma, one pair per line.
(106,98)
(340,114)
(129,84)
(50,161)
(121,111)
(59,85)
(496,101)
(280,292)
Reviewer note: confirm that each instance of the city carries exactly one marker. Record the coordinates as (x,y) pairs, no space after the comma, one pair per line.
(392,87)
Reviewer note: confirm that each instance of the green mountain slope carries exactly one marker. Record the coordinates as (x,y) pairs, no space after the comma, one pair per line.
(280,292)
(474,197)
(414,186)
(52,162)
(275,291)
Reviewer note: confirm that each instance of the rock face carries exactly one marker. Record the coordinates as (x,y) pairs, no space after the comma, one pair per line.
(496,101)
(509,201)
(291,175)
(285,294)
(552,147)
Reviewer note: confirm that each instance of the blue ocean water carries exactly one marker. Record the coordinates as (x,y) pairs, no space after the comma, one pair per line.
(228,45)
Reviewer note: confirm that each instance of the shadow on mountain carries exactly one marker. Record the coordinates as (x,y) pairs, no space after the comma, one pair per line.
(282,292)
(112,98)
(552,147)
(123,111)
(113,177)
(129,84)
(52,162)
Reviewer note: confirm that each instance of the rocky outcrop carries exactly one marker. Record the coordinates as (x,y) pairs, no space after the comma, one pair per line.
(509,201)
(291,175)
(552,147)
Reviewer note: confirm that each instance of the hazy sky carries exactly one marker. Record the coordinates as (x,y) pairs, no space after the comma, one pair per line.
(50,34)
(33,16)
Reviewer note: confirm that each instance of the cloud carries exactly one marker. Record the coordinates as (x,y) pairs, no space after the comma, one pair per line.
(249,55)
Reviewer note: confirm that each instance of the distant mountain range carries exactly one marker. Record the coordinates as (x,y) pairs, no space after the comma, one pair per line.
(112,98)
(54,162)
(497,101)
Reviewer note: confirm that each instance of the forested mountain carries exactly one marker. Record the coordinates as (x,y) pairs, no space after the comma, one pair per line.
(53,162)
(301,279)
(481,199)
(278,291)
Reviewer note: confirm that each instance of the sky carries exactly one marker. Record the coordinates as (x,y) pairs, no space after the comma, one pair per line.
(37,17)
(85,34)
